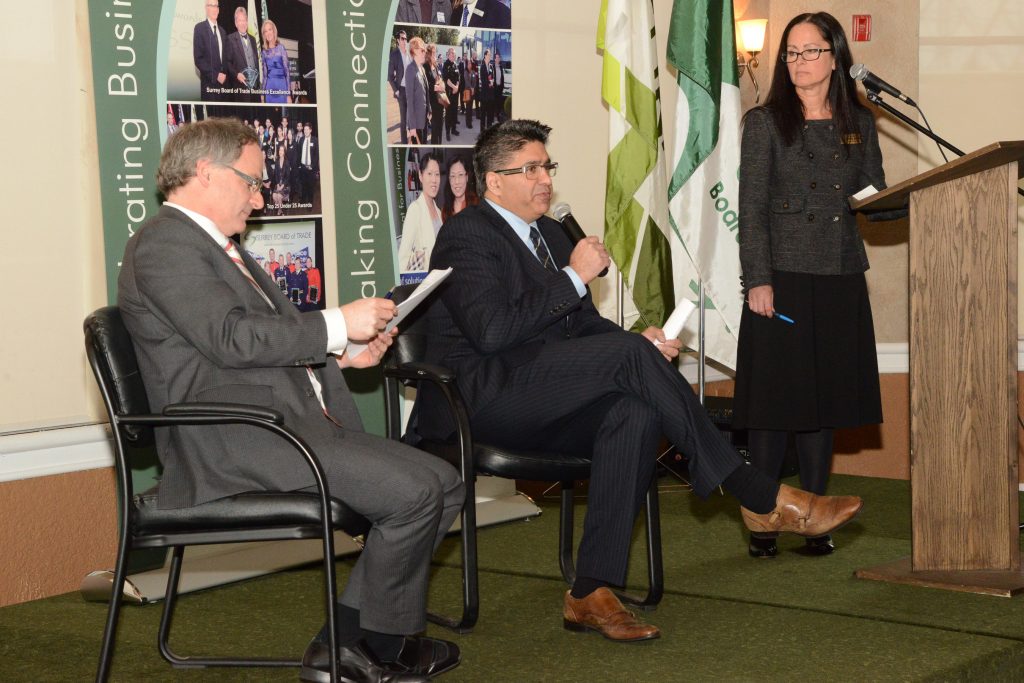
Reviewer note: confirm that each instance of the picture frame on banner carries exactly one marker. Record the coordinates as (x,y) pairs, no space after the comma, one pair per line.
(290,252)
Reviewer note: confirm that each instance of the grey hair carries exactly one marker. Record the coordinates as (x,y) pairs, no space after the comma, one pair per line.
(219,140)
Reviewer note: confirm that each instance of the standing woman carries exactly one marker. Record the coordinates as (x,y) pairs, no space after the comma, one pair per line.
(275,66)
(416,93)
(435,86)
(469,93)
(804,152)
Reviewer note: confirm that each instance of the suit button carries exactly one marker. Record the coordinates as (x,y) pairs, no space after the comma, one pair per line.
(810,155)
(835,155)
(310,393)
(835,219)
(814,186)
(785,205)
(810,218)
(837,186)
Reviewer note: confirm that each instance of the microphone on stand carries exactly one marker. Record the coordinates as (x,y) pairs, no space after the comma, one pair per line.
(859,72)
(562,213)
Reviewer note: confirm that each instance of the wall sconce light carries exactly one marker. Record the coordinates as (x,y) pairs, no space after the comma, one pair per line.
(751,42)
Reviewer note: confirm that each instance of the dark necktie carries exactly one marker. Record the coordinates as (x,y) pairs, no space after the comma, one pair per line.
(541,250)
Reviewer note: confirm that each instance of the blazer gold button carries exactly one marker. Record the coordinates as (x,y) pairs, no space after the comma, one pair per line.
(814,186)
(785,205)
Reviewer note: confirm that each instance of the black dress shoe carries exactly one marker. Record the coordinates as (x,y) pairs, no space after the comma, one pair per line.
(818,545)
(425,656)
(356,664)
(762,546)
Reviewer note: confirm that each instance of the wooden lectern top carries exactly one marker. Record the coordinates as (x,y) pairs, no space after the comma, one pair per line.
(989,156)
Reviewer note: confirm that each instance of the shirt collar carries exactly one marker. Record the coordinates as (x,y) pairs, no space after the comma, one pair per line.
(208,226)
(521,227)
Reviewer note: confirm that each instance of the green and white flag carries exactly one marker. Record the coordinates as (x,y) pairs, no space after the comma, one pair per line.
(703,191)
(636,215)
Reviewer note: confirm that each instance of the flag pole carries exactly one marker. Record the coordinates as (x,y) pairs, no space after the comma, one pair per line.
(700,351)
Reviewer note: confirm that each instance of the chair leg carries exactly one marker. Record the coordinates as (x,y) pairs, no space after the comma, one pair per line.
(186,662)
(470,569)
(655,566)
(565,533)
(331,589)
(113,613)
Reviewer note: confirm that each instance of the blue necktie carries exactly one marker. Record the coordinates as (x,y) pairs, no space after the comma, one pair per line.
(465,15)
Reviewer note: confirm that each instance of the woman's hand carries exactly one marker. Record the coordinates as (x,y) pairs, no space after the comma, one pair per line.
(761,300)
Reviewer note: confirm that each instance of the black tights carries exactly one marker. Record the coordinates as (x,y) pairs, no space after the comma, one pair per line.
(813,449)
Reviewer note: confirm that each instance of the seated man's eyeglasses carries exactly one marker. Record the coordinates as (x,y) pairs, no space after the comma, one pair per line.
(531,170)
(253,183)
(809,55)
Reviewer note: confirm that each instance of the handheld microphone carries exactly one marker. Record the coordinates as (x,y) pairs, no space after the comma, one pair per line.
(563,214)
(859,72)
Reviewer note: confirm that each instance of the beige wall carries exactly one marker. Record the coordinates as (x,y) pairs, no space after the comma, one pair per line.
(51,237)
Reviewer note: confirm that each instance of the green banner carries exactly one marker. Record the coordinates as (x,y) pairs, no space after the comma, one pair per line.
(360,37)
(123,36)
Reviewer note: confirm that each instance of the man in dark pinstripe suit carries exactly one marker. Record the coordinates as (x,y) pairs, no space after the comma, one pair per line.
(208,324)
(540,368)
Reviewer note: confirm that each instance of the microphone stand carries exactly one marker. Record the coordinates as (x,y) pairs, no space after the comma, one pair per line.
(877,99)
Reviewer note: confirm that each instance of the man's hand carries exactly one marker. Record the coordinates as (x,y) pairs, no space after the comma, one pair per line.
(761,300)
(589,258)
(375,350)
(221,77)
(668,347)
(365,318)
(241,79)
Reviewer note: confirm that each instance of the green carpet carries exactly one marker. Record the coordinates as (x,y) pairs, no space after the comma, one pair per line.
(725,617)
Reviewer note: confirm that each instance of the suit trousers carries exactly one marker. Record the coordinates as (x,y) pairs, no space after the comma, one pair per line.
(613,395)
(402,104)
(412,498)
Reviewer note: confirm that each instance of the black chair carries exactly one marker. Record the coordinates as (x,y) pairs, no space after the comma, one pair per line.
(243,518)
(403,365)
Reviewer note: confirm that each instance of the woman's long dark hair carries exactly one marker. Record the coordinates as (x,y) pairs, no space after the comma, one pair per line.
(782,100)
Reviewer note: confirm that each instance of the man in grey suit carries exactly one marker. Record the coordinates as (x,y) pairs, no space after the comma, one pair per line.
(540,369)
(208,324)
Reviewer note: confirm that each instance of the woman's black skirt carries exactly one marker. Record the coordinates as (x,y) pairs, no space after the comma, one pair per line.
(819,372)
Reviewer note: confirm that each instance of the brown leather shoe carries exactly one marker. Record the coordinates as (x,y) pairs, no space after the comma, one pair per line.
(601,611)
(804,513)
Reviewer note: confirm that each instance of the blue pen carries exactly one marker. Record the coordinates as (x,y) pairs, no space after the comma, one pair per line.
(784,318)
(391,293)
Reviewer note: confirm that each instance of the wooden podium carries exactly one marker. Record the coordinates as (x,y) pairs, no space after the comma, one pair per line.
(963,373)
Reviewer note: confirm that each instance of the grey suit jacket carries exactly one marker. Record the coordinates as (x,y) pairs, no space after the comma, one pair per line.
(415,97)
(203,333)
(794,213)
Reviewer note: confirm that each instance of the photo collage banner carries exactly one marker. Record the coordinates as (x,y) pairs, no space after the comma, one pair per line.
(408,95)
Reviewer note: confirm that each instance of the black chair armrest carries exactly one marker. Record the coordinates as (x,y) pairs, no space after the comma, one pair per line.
(420,371)
(225,410)
(238,413)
